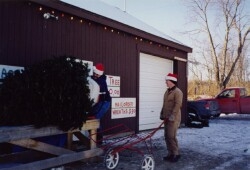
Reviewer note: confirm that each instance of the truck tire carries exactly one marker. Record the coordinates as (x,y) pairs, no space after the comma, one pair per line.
(193,119)
(218,115)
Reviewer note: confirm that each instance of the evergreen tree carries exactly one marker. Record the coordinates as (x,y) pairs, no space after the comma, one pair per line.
(51,93)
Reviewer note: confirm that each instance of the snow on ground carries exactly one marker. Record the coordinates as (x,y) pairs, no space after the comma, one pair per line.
(221,137)
(225,144)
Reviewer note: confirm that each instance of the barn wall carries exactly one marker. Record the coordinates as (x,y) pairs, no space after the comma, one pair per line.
(28,38)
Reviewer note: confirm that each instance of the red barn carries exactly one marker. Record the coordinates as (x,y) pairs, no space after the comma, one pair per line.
(136,56)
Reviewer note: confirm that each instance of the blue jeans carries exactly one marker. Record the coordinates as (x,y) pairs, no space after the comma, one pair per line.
(101,108)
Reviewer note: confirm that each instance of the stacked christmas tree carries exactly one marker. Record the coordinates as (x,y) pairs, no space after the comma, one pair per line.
(51,93)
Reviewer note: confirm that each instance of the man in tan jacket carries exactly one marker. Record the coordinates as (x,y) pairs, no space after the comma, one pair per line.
(171,112)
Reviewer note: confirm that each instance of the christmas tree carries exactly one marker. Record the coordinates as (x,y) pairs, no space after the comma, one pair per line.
(51,93)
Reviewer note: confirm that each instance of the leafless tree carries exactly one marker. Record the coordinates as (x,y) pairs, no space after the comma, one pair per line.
(226,34)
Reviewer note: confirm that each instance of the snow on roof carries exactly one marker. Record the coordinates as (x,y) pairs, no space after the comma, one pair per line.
(114,13)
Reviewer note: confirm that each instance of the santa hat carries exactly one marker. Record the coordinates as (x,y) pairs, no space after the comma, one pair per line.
(98,69)
(172,77)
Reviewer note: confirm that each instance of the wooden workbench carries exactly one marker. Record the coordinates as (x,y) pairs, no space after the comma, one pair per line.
(24,136)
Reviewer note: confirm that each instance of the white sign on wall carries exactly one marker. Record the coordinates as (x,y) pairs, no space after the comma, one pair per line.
(123,108)
(5,70)
(114,83)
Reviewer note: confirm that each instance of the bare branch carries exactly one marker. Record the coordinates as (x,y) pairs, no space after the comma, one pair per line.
(224,53)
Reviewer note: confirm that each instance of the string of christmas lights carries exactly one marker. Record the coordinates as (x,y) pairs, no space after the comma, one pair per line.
(60,15)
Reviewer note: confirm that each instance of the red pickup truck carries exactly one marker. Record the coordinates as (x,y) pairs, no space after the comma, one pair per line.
(234,100)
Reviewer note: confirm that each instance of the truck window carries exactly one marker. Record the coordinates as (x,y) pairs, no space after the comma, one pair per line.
(227,94)
(243,92)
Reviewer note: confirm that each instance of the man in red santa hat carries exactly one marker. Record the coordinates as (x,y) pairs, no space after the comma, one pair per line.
(171,113)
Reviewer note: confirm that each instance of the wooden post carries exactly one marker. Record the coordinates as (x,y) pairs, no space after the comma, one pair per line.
(93,140)
(69,140)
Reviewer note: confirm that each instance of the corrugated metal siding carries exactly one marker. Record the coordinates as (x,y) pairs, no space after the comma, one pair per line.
(27,38)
